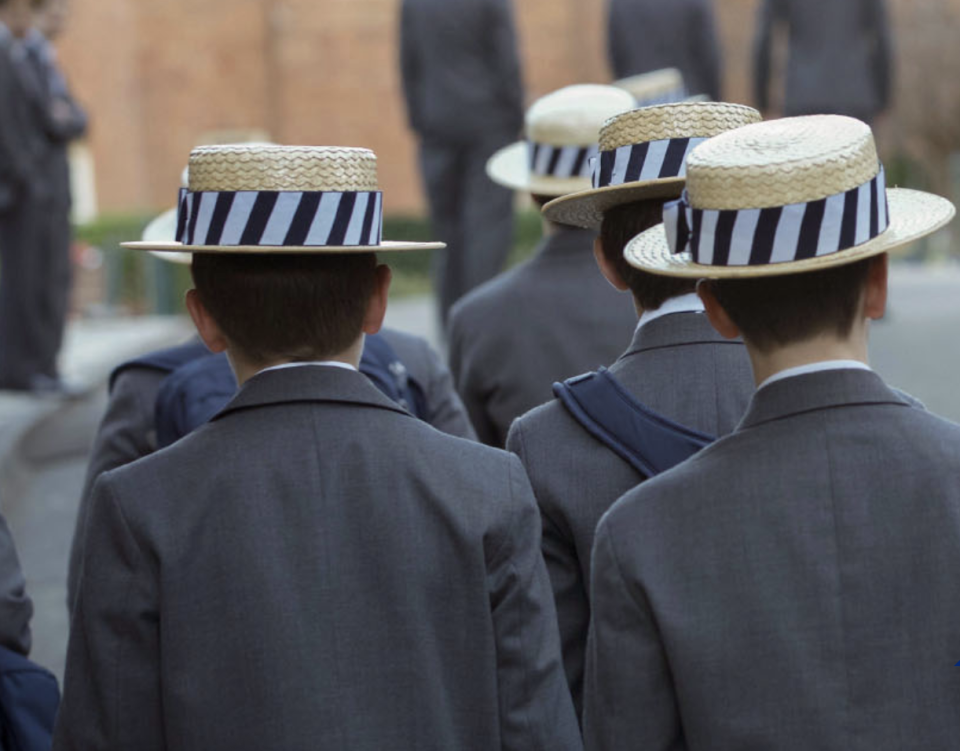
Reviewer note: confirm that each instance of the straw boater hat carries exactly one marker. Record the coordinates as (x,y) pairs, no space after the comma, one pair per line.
(561,135)
(643,156)
(657,87)
(785,197)
(256,198)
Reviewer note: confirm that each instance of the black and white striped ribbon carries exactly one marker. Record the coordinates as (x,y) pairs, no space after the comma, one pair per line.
(280,218)
(561,161)
(755,237)
(651,160)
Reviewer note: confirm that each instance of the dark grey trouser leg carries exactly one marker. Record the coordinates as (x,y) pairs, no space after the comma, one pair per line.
(442,167)
(488,220)
(54,302)
(23,276)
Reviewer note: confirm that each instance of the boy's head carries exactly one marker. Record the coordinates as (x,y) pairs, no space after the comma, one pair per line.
(780,311)
(267,309)
(620,225)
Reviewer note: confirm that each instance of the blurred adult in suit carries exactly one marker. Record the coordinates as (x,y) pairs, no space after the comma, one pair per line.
(648,35)
(553,316)
(840,58)
(787,587)
(464,97)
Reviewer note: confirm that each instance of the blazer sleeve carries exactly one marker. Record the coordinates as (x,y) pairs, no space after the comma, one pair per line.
(126,434)
(465,374)
(111,694)
(629,697)
(447,411)
(762,50)
(505,57)
(566,577)
(16,608)
(536,711)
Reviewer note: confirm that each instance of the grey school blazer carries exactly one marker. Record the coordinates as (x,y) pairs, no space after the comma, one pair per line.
(548,319)
(128,429)
(678,366)
(315,569)
(791,587)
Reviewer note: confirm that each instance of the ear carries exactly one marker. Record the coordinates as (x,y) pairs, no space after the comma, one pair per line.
(377,306)
(715,313)
(875,295)
(608,270)
(209,330)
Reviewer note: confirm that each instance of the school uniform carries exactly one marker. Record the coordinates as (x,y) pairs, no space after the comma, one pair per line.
(788,586)
(678,366)
(315,569)
(548,319)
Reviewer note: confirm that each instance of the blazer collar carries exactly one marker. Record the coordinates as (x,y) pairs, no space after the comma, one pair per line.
(816,391)
(567,241)
(675,330)
(309,384)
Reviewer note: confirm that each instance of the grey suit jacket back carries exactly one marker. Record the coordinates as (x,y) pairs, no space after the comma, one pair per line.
(647,35)
(548,319)
(678,366)
(791,586)
(840,57)
(461,69)
(315,569)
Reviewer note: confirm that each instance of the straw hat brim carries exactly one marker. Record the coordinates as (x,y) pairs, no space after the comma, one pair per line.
(913,214)
(510,167)
(160,230)
(385,247)
(586,208)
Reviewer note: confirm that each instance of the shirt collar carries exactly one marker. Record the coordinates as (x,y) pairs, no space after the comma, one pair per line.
(688,303)
(814,367)
(312,363)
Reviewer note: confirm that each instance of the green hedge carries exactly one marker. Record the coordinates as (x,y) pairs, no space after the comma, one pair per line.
(142,283)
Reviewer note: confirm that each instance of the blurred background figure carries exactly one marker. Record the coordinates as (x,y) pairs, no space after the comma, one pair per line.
(648,35)
(839,58)
(464,97)
(35,292)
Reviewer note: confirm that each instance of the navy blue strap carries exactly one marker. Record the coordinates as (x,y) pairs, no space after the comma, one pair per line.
(647,441)
(29,699)
(387,372)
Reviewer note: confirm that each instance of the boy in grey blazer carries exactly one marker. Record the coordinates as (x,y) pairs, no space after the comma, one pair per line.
(315,568)
(676,365)
(790,586)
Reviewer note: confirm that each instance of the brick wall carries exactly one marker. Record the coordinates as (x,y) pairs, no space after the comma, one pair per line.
(159,75)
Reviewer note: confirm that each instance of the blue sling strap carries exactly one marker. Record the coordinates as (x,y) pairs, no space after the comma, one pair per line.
(647,441)
(29,699)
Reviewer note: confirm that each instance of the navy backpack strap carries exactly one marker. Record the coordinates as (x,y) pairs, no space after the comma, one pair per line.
(164,360)
(191,395)
(29,698)
(387,372)
(649,442)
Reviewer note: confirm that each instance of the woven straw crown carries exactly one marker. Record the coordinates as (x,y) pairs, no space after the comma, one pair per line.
(647,86)
(573,115)
(256,167)
(778,163)
(684,120)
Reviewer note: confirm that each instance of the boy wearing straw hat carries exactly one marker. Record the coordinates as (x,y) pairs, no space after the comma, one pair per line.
(159,397)
(551,317)
(676,366)
(314,568)
(790,586)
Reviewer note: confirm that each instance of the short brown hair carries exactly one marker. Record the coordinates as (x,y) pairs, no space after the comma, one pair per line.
(620,225)
(286,306)
(780,310)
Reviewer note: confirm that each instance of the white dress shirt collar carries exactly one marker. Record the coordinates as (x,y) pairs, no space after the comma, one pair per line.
(688,303)
(312,363)
(814,367)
